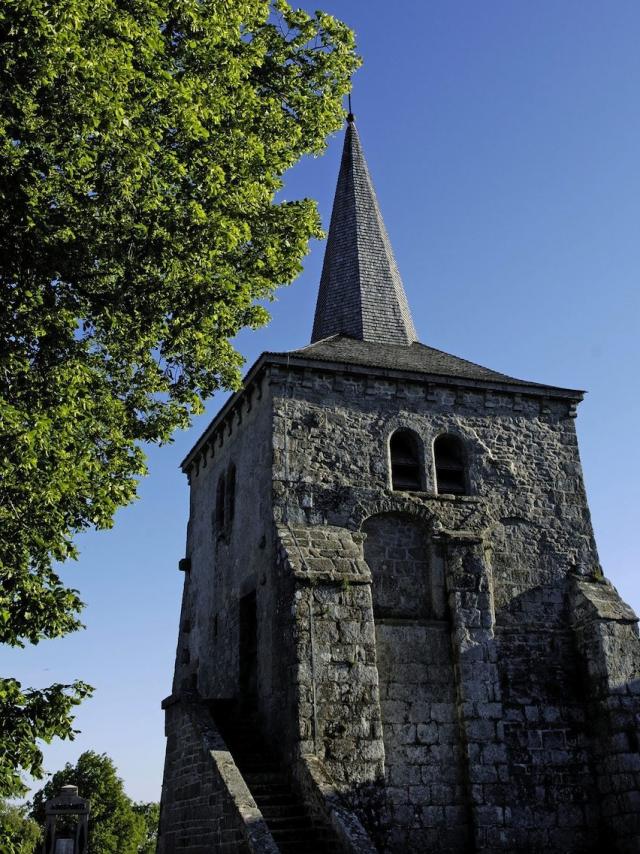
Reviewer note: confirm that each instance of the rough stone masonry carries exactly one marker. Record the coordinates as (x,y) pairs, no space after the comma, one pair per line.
(391,572)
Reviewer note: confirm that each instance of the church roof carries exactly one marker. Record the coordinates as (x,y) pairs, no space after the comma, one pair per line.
(415,358)
(361,293)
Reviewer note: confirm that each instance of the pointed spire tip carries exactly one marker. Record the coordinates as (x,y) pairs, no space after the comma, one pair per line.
(350,118)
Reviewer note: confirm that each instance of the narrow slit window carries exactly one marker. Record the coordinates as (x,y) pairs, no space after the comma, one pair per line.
(220,504)
(405,462)
(449,457)
(231,495)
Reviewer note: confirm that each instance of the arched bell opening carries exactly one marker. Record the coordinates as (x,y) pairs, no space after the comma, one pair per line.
(451,465)
(406,467)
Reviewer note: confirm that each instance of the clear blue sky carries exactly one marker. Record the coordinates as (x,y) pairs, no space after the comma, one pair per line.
(504,141)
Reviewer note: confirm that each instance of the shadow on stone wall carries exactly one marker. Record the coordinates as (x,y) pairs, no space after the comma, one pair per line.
(549,705)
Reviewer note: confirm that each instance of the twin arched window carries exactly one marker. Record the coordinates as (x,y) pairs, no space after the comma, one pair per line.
(406,467)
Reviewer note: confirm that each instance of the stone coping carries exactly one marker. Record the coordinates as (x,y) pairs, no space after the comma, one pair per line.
(599,600)
(322,792)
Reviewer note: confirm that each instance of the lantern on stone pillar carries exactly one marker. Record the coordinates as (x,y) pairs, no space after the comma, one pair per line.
(69,836)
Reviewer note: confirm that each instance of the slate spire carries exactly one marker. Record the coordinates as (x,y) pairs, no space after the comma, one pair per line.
(361,293)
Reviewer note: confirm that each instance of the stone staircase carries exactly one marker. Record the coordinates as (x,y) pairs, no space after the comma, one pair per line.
(287,817)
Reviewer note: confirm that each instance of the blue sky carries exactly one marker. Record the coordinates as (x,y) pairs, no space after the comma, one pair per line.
(504,143)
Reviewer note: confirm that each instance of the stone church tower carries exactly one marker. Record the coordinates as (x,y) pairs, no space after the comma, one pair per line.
(395,633)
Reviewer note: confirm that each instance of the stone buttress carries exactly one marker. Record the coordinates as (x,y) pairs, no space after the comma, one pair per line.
(391,574)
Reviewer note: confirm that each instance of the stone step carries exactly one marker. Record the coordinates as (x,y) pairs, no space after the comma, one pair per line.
(276,794)
(288,822)
(303,845)
(264,777)
(289,834)
(276,807)
(256,768)
(277,799)
(298,820)
(273,811)
(282,796)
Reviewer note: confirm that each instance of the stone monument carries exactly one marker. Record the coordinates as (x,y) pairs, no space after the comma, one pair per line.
(395,632)
(67,823)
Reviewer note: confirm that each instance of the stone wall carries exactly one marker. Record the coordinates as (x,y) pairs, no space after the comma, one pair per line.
(515,766)
(552,797)
(322,795)
(331,436)
(426,796)
(456,664)
(230,561)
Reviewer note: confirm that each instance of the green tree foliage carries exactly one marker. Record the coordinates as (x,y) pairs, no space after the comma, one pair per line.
(22,832)
(115,826)
(142,143)
(29,715)
(150,813)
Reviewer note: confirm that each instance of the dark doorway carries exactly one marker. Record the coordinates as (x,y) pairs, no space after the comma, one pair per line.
(248,652)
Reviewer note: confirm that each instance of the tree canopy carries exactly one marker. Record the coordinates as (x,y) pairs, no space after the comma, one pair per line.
(150,813)
(142,144)
(115,825)
(22,832)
